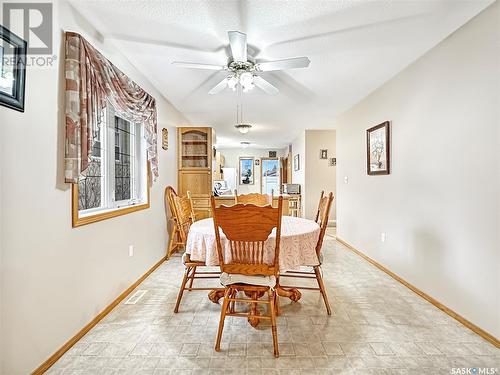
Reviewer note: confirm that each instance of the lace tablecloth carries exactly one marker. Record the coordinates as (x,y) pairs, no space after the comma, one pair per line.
(297,248)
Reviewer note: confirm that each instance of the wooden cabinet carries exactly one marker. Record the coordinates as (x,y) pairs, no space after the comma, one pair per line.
(294,205)
(194,148)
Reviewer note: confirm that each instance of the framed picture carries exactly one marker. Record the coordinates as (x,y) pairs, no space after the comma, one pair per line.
(246,173)
(323,154)
(333,162)
(378,149)
(296,162)
(12,69)
(273,154)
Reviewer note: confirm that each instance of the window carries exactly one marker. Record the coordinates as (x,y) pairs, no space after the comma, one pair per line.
(115,182)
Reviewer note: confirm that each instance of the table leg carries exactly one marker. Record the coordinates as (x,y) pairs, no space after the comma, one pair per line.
(215,295)
(254,322)
(291,293)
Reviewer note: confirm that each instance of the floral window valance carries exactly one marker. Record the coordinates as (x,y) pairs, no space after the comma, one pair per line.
(91,82)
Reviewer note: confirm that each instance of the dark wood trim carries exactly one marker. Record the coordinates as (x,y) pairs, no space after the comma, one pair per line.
(72,341)
(474,328)
(386,125)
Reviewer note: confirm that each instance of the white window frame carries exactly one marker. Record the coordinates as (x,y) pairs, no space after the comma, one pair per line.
(139,174)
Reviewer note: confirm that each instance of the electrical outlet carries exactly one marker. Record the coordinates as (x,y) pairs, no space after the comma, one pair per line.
(131,251)
(346,180)
(382,237)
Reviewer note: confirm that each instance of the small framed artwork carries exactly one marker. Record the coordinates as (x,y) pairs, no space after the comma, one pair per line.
(272,154)
(257,162)
(333,162)
(164,139)
(323,154)
(12,69)
(378,149)
(296,162)
(246,171)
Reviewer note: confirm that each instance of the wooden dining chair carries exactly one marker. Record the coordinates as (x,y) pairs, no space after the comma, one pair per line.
(243,263)
(324,207)
(319,205)
(184,218)
(253,198)
(193,214)
(174,241)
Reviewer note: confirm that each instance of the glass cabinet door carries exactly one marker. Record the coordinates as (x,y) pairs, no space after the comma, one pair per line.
(194,149)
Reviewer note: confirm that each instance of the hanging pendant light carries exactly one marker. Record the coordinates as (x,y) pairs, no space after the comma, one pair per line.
(243,128)
(240,126)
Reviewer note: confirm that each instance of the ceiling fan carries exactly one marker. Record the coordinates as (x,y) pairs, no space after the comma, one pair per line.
(242,71)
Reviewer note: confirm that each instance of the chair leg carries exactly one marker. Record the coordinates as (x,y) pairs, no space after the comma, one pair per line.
(273,322)
(277,303)
(322,289)
(223,312)
(253,309)
(232,304)
(181,290)
(192,277)
(172,242)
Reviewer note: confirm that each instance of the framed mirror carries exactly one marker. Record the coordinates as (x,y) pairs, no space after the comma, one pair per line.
(12,69)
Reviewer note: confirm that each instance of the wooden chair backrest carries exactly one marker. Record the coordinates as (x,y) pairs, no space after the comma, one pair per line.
(247,227)
(325,205)
(319,206)
(168,201)
(183,215)
(193,215)
(254,198)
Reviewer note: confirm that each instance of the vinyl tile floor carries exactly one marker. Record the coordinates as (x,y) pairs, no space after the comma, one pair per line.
(377,326)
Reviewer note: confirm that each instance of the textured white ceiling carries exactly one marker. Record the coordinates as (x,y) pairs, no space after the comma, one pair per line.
(354,47)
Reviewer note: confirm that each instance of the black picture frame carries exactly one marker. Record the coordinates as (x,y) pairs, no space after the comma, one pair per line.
(378,151)
(18,59)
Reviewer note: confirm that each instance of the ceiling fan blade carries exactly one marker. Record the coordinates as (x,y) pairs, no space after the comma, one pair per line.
(293,63)
(264,85)
(219,87)
(238,43)
(198,66)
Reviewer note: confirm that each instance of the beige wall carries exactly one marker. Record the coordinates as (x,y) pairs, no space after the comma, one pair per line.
(440,205)
(318,173)
(55,279)
(298,177)
(232,156)
(315,174)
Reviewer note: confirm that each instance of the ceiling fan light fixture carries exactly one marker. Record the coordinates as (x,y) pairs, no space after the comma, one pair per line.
(248,87)
(232,82)
(246,81)
(243,128)
(246,78)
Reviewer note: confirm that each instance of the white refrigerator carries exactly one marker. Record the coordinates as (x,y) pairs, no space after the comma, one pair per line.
(231,178)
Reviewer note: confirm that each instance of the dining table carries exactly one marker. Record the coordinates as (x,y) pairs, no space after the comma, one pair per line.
(298,241)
